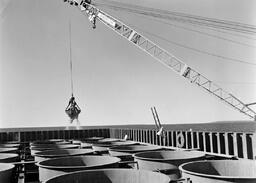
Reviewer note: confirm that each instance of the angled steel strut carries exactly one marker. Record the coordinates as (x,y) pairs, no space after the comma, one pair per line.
(161,55)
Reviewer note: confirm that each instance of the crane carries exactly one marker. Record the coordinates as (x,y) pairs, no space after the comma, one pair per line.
(161,55)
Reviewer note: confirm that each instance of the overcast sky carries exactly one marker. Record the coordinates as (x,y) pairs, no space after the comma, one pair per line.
(115,82)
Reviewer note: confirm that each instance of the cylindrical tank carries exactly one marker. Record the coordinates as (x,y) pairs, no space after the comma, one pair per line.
(93,139)
(103,146)
(8,157)
(108,140)
(6,172)
(56,166)
(46,147)
(85,145)
(220,171)
(125,152)
(8,150)
(38,143)
(57,153)
(166,161)
(9,145)
(111,176)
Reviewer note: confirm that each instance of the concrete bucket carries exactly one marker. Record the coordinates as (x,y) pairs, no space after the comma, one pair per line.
(57,166)
(166,162)
(220,171)
(111,176)
(6,172)
(57,153)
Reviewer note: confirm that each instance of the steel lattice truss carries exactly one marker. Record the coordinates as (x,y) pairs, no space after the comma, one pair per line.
(163,56)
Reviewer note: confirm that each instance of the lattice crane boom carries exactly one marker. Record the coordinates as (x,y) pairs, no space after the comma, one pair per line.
(162,56)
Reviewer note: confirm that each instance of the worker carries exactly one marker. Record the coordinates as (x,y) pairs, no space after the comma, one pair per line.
(72,110)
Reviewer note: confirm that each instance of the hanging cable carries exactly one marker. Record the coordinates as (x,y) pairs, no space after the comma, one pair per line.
(70,59)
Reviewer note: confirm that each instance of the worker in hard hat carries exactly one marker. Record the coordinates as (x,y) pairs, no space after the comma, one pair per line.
(72,110)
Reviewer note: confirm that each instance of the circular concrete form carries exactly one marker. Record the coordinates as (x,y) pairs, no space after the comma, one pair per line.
(220,171)
(166,161)
(111,176)
(46,147)
(56,166)
(57,153)
(8,157)
(6,172)
(8,150)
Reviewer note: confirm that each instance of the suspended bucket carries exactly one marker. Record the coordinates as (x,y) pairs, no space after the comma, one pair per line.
(8,158)
(46,147)
(57,166)
(166,162)
(111,176)
(8,150)
(220,171)
(6,172)
(125,152)
(44,155)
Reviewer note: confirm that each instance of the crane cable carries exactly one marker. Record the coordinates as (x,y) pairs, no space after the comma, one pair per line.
(70,59)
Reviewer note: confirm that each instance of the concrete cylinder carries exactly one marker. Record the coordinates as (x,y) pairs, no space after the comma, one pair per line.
(8,157)
(111,176)
(46,147)
(6,172)
(220,171)
(93,139)
(8,150)
(166,161)
(56,166)
(104,146)
(57,153)
(9,145)
(126,152)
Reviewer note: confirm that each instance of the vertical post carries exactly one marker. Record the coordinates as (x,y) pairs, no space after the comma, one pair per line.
(204,142)
(218,143)
(172,136)
(244,141)
(186,139)
(234,135)
(168,138)
(226,144)
(192,139)
(211,142)
(253,137)
(197,139)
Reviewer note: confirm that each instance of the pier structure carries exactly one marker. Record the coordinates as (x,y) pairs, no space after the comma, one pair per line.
(202,137)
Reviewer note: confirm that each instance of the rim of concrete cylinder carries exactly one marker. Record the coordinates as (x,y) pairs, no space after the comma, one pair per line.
(6,166)
(109,170)
(38,143)
(182,168)
(136,148)
(54,146)
(174,155)
(113,160)
(64,152)
(8,155)
(106,140)
(93,138)
(7,149)
(9,145)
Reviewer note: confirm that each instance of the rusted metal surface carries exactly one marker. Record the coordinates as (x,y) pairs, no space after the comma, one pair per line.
(53,167)
(112,176)
(220,171)
(166,161)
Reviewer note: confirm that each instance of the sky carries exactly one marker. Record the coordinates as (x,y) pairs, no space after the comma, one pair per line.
(115,83)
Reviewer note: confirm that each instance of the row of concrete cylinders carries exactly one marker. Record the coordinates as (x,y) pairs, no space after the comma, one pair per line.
(239,144)
(226,143)
(148,158)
